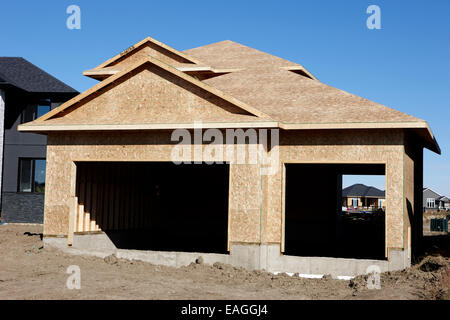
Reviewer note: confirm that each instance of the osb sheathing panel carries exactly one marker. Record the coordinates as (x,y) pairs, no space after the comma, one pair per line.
(409,198)
(256,202)
(409,201)
(151,95)
(245,210)
(272,213)
(291,98)
(152,50)
(229,54)
(284,95)
(64,149)
(348,146)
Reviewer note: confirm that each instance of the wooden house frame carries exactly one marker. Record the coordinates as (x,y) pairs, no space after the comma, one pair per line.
(150,90)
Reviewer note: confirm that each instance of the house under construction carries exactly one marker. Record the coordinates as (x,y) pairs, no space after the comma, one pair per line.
(112,185)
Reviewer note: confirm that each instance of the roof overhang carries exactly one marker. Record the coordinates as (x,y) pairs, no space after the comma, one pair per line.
(201,72)
(421,128)
(38,127)
(360,196)
(300,70)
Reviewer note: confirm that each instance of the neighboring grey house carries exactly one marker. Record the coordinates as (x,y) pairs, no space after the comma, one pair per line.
(434,201)
(26,92)
(443,202)
(360,195)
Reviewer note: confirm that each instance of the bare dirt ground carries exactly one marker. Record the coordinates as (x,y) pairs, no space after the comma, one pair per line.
(29,271)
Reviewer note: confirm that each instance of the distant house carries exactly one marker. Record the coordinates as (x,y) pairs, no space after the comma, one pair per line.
(26,93)
(443,202)
(362,196)
(434,201)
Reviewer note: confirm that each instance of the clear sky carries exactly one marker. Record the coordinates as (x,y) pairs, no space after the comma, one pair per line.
(371,181)
(405,65)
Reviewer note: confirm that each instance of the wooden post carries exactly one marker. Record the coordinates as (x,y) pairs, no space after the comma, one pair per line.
(80,218)
(73,212)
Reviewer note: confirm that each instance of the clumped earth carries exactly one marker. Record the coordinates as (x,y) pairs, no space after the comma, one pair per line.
(29,271)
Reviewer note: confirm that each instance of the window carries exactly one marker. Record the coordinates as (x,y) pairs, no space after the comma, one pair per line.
(33,111)
(32,175)
(430,203)
(354,202)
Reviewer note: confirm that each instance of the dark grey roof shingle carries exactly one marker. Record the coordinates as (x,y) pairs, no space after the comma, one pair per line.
(361,190)
(20,73)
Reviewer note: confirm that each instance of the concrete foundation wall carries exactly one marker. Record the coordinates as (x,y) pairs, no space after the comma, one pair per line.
(250,256)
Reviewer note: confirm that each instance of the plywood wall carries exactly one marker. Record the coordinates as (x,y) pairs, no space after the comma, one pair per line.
(413,206)
(345,146)
(151,95)
(64,150)
(256,201)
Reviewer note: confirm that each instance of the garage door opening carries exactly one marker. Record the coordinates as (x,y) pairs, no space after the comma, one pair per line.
(155,205)
(324,218)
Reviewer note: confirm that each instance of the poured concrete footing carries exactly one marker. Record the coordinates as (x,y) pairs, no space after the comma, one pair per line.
(250,256)
(269,258)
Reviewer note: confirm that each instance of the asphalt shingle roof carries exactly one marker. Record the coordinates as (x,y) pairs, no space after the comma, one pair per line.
(361,190)
(22,74)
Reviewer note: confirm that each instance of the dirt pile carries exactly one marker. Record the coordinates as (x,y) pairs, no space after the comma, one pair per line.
(430,279)
(29,271)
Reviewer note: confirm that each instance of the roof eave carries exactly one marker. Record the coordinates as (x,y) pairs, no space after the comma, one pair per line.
(423,127)
(46,128)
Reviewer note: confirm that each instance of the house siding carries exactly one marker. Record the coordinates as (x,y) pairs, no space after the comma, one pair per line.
(427,194)
(17,206)
(2,137)
(23,207)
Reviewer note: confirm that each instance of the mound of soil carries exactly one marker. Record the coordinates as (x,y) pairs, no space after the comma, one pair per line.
(30,271)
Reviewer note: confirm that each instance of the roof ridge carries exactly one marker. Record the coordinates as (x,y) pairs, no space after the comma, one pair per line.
(247,47)
(139,44)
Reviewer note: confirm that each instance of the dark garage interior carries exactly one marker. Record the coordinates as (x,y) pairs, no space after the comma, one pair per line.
(315,224)
(158,205)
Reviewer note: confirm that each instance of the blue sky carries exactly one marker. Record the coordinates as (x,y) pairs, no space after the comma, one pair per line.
(405,65)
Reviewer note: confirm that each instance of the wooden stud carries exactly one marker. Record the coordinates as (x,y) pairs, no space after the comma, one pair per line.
(100,191)
(116,200)
(87,198)
(94,226)
(80,218)
(72,219)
